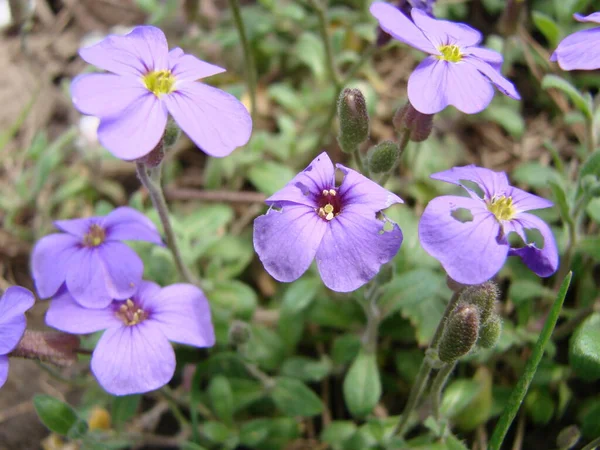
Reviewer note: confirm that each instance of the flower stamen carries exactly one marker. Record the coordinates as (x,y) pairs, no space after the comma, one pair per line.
(159,82)
(502,208)
(130,313)
(95,236)
(450,53)
(329,204)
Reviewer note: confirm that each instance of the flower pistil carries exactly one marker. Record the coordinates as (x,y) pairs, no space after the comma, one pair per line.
(502,208)
(329,205)
(95,236)
(159,82)
(130,313)
(450,53)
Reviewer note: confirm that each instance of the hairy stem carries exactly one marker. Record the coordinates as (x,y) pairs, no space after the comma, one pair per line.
(158,200)
(438,385)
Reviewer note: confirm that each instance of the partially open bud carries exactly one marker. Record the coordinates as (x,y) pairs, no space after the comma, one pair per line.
(407,118)
(511,17)
(354,120)
(484,297)
(568,437)
(49,346)
(490,332)
(460,333)
(239,333)
(382,158)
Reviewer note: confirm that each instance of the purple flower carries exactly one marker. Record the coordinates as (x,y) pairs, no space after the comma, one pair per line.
(458,72)
(13,304)
(580,50)
(90,258)
(473,247)
(134,354)
(311,217)
(147,83)
(405,7)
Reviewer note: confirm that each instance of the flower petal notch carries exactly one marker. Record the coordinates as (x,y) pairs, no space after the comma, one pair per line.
(458,72)
(13,304)
(145,84)
(339,226)
(580,50)
(134,355)
(473,247)
(90,260)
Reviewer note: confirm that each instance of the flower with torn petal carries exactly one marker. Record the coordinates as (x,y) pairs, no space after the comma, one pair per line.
(13,304)
(146,83)
(458,72)
(134,354)
(90,259)
(580,50)
(339,226)
(469,235)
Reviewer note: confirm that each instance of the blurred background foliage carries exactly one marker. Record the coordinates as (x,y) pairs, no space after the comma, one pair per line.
(285,388)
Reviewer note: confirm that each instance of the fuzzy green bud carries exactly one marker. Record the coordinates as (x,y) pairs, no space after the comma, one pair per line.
(460,333)
(568,437)
(407,118)
(484,297)
(382,158)
(172,133)
(386,273)
(490,332)
(239,333)
(354,120)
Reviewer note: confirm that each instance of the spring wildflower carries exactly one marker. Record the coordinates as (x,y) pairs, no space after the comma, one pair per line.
(146,83)
(468,235)
(339,226)
(580,50)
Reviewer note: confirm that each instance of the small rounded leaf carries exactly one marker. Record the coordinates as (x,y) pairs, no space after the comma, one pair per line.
(294,398)
(584,350)
(58,417)
(362,386)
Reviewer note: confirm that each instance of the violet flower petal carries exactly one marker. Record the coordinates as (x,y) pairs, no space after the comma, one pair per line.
(443,32)
(579,51)
(127,224)
(593,17)
(3,369)
(123,269)
(77,227)
(305,187)
(183,314)
(189,68)
(467,89)
(133,359)
(392,21)
(13,304)
(86,279)
(353,250)
(136,130)
(491,183)
(146,289)
(427,86)
(362,193)
(50,262)
(524,201)
(65,314)
(143,50)
(501,83)
(469,251)
(544,261)
(216,121)
(492,57)
(103,94)
(286,241)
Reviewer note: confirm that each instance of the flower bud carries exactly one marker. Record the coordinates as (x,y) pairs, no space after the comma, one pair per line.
(49,346)
(239,333)
(155,157)
(568,437)
(407,118)
(354,120)
(172,133)
(382,158)
(483,296)
(99,419)
(490,331)
(460,333)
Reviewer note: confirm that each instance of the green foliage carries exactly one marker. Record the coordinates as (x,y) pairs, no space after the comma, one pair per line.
(362,385)
(294,398)
(59,417)
(584,350)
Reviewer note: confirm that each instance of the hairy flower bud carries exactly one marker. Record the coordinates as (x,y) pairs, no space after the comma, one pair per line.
(172,133)
(407,118)
(490,332)
(48,346)
(354,120)
(568,437)
(239,333)
(484,297)
(460,333)
(383,157)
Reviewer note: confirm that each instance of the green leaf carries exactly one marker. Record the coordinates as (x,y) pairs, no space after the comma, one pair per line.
(362,385)
(254,432)
(590,246)
(584,350)
(580,102)
(560,198)
(216,432)
(337,432)
(306,369)
(124,408)
(300,294)
(269,176)
(309,49)
(221,398)
(294,398)
(593,209)
(345,348)
(535,174)
(547,26)
(265,348)
(523,290)
(234,296)
(540,406)
(59,417)
(591,166)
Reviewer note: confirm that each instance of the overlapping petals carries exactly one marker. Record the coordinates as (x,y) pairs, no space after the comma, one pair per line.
(580,50)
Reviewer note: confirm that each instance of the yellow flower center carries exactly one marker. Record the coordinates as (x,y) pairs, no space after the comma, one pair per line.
(502,207)
(450,53)
(131,314)
(159,82)
(94,237)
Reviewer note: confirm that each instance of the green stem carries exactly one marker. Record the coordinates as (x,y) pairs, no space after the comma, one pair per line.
(592,445)
(160,204)
(359,162)
(518,394)
(321,11)
(590,135)
(172,401)
(425,370)
(438,385)
(248,55)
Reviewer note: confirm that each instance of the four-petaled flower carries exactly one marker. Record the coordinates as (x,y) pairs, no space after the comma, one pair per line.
(468,235)
(90,259)
(147,83)
(457,73)
(134,354)
(580,50)
(339,225)
(13,304)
